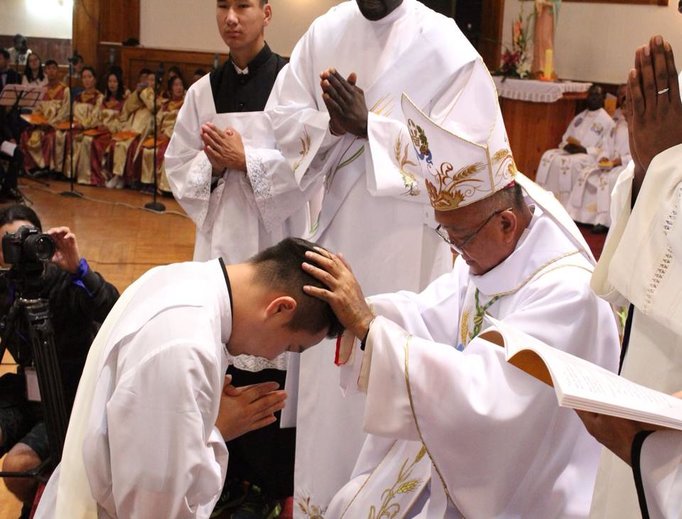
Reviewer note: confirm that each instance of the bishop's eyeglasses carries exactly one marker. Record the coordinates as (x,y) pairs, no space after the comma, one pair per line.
(459,245)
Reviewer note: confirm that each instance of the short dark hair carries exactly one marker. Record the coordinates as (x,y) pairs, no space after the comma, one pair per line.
(279,267)
(5,53)
(171,80)
(16,212)
(50,62)
(91,69)
(145,71)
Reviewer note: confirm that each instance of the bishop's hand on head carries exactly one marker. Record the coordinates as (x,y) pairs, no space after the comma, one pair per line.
(343,292)
(345,102)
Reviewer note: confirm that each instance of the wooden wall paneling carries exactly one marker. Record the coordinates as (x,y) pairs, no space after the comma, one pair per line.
(134,59)
(119,21)
(58,49)
(86,21)
(490,43)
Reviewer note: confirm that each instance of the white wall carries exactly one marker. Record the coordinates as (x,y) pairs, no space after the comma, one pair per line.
(39,18)
(191,24)
(597,42)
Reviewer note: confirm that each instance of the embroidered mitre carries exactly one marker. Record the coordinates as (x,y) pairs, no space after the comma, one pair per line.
(463,149)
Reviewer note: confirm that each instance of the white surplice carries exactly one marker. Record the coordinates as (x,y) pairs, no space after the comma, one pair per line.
(142,440)
(558,171)
(373,209)
(231,222)
(661,469)
(497,444)
(590,200)
(641,264)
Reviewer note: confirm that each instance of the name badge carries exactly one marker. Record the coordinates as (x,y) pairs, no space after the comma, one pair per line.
(32,386)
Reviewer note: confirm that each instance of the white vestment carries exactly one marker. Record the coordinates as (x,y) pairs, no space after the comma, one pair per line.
(497,444)
(590,200)
(373,210)
(558,170)
(231,222)
(641,264)
(661,469)
(142,440)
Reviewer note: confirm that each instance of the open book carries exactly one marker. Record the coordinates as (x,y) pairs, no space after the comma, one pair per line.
(581,385)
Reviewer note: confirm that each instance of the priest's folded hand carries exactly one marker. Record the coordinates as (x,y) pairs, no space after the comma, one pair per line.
(224,148)
(343,292)
(247,408)
(345,102)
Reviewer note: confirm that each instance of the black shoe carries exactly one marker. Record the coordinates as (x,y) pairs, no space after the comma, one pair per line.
(599,229)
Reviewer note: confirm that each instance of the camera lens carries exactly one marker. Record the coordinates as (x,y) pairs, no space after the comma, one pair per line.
(39,247)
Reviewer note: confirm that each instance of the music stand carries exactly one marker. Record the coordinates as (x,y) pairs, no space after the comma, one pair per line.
(21,96)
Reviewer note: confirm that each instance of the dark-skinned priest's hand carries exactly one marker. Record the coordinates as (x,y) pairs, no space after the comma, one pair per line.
(654,93)
(343,292)
(345,102)
(224,148)
(245,409)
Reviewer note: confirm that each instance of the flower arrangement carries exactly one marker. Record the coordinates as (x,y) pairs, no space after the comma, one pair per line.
(516,61)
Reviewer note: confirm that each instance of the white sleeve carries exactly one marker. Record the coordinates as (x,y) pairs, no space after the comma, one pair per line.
(187,166)
(661,469)
(167,457)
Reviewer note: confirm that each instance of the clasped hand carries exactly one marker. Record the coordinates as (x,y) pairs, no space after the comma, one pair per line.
(247,408)
(224,148)
(345,103)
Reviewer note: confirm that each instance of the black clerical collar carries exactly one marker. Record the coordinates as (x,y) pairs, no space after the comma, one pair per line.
(258,60)
(227,282)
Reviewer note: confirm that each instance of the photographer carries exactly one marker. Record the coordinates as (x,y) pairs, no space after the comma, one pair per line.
(80,300)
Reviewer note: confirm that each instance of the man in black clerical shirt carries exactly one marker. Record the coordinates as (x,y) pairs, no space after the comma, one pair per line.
(200,156)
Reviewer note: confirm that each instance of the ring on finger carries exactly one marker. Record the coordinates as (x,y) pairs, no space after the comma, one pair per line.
(663,91)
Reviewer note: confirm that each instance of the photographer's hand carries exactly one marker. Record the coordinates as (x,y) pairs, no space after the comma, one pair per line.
(67,256)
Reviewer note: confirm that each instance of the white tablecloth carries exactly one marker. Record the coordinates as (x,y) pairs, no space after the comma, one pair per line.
(536,91)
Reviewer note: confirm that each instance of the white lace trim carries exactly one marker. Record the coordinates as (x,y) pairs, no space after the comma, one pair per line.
(199,183)
(251,363)
(261,186)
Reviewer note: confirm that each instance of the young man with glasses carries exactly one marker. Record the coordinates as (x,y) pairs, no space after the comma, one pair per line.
(454,429)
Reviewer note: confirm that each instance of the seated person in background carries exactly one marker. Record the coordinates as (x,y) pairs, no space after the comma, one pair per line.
(584,143)
(11,158)
(33,73)
(590,199)
(497,444)
(150,442)
(87,106)
(80,300)
(137,116)
(95,159)
(18,55)
(198,74)
(8,76)
(166,115)
(37,141)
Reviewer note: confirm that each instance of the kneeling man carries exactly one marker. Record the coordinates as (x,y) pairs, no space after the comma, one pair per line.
(148,428)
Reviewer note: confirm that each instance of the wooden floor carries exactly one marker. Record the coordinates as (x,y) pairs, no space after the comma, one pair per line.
(116,235)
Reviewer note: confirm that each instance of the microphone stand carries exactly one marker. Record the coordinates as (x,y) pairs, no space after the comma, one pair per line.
(71,193)
(155,205)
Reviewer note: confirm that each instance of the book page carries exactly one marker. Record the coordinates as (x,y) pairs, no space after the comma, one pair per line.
(581,384)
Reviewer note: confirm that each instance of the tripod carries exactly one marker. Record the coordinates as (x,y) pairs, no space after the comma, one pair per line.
(155,205)
(37,315)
